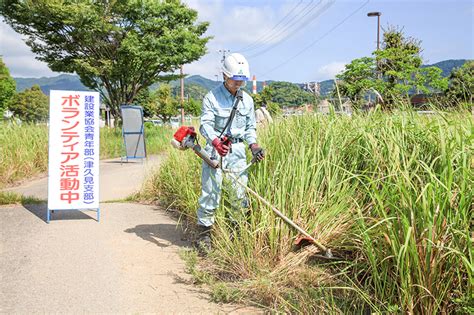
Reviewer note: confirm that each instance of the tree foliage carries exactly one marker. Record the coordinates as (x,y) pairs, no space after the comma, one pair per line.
(162,103)
(191,90)
(395,72)
(31,105)
(116,47)
(265,97)
(143,99)
(149,100)
(192,107)
(357,79)
(7,87)
(289,94)
(461,83)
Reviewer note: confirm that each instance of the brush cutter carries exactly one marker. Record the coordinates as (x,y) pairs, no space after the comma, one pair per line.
(186,137)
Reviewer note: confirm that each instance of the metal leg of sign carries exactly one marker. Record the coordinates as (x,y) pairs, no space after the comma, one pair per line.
(47,216)
(98,214)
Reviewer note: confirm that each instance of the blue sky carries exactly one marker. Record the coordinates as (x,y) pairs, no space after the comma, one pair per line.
(301,40)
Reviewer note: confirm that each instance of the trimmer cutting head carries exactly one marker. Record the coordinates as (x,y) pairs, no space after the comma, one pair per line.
(303,241)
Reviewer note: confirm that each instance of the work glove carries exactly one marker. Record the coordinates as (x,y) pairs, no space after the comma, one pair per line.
(257,152)
(221,147)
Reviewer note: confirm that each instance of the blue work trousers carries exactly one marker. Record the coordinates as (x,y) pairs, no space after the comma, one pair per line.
(211,182)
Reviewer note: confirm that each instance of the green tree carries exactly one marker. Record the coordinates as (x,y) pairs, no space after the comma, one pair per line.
(461,83)
(192,107)
(31,105)
(163,104)
(265,97)
(395,72)
(192,90)
(357,79)
(143,99)
(116,47)
(7,87)
(399,62)
(289,94)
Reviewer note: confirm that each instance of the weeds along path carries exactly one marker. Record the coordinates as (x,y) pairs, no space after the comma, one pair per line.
(127,263)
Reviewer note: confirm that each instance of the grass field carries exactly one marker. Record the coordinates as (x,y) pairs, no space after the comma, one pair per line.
(390,194)
(24,149)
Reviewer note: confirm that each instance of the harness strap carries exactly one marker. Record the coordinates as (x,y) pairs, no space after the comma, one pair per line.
(238,97)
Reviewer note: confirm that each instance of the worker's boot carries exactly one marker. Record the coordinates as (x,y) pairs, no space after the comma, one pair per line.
(203,241)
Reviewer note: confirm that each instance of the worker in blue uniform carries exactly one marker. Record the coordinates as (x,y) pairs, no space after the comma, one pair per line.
(216,109)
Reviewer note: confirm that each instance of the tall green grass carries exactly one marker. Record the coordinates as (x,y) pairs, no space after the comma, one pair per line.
(157,140)
(23,152)
(390,194)
(24,148)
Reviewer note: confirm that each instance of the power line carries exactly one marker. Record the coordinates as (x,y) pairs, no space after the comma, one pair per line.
(274,27)
(223,51)
(287,31)
(318,39)
(290,28)
(305,23)
(270,36)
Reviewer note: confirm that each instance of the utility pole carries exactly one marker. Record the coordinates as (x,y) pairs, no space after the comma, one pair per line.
(182,96)
(223,51)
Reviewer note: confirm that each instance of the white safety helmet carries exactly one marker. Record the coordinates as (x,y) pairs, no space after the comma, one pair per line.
(236,67)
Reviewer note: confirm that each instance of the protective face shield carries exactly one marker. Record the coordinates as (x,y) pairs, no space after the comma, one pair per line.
(236,67)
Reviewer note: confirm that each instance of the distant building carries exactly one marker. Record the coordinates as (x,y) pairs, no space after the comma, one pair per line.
(345,107)
(323,106)
(312,87)
(297,110)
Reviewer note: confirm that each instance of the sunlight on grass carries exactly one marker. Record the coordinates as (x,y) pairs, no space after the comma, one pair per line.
(390,194)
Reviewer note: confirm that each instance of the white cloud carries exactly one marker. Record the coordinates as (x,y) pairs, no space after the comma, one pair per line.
(207,10)
(246,25)
(27,66)
(208,66)
(234,27)
(18,57)
(330,70)
(238,25)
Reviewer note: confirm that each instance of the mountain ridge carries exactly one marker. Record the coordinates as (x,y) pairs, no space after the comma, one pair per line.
(72,81)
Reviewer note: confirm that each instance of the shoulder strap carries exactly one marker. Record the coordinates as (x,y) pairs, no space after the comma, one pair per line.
(238,97)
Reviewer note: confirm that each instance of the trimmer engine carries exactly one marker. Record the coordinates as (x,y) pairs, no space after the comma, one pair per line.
(185,138)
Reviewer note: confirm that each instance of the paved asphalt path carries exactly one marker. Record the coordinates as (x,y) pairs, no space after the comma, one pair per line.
(126,263)
(117,180)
